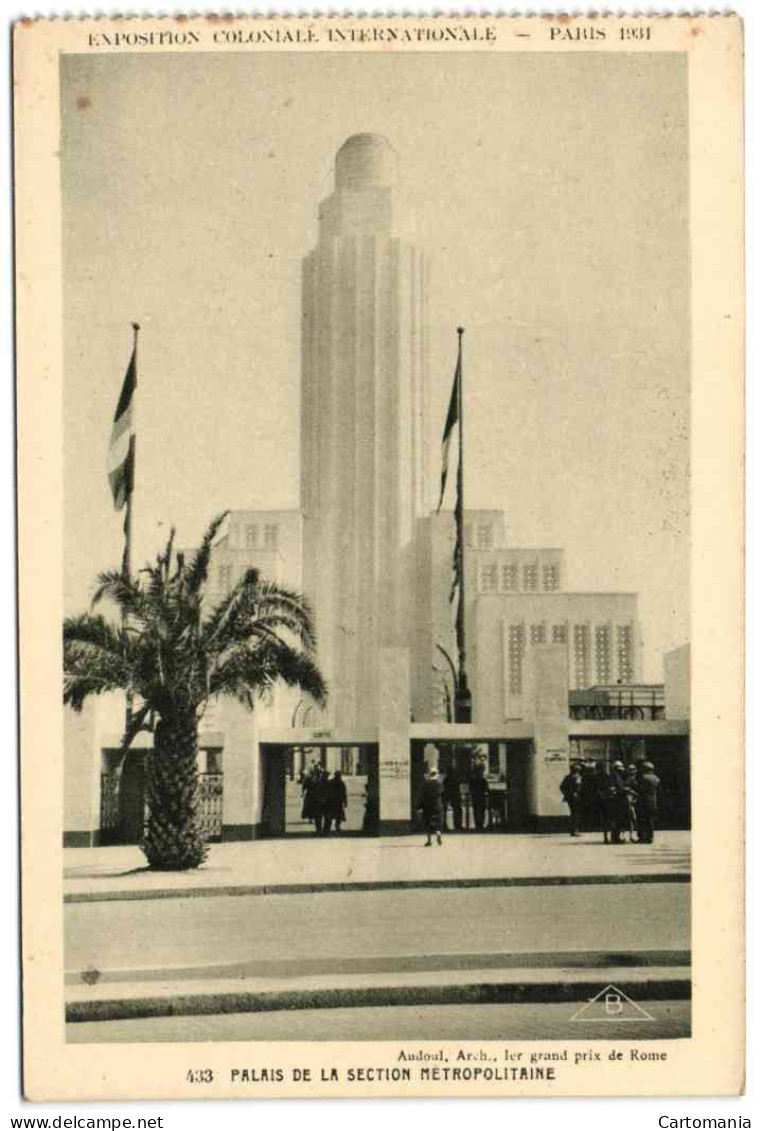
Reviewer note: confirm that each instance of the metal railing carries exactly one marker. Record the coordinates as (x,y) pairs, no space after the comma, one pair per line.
(210,805)
(604,711)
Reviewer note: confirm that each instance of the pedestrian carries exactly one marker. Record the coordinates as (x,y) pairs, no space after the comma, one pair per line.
(319,798)
(431,803)
(620,805)
(371,815)
(335,809)
(648,803)
(571,791)
(631,788)
(589,797)
(308,794)
(478,788)
(606,794)
(452,799)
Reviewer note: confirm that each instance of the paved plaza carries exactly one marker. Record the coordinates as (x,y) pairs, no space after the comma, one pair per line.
(313,864)
(330,923)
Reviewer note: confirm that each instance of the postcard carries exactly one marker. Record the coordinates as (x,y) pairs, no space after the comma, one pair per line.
(380,486)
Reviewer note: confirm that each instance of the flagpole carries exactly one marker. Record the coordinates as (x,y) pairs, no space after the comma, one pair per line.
(463,696)
(127,559)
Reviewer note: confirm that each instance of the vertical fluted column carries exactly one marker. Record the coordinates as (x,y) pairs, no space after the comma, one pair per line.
(363,404)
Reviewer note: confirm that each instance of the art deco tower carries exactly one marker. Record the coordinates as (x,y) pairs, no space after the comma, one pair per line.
(362,432)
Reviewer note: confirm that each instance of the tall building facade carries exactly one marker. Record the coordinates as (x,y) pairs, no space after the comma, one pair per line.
(517,599)
(376,564)
(362,427)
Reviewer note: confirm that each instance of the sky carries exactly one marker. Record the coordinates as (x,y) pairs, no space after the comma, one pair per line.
(550,194)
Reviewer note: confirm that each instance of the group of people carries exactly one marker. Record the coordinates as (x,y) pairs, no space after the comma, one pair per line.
(439,796)
(478,795)
(324,799)
(615,800)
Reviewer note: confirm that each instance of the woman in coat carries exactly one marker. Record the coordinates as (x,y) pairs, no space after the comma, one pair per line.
(431,803)
(335,810)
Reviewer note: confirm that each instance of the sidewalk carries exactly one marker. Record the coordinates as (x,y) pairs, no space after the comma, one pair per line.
(455,987)
(307,864)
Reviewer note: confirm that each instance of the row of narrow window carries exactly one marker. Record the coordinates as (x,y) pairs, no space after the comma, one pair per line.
(581,652)
(484,536)
(255,538)
(269,536)
(509,578)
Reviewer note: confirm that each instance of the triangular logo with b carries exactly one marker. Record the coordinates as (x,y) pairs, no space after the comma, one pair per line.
(611,1004)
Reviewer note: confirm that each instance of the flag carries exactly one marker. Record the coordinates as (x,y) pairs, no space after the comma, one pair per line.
(121,451)
(457,588)
(450,422)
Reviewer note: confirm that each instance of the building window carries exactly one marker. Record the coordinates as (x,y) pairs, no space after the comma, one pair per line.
(489,578)
(214,761)
(550,578)
(560,634)
(225,577)
(529,576)
(603,653)
(624,653)
(484,536)
(271,537)
(515,657)
(510,578)
(581,655)
(252,536)
(537,634)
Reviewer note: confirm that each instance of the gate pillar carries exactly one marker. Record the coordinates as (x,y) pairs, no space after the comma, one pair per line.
(550,759)
(394,741)
(242,774)
(82,777)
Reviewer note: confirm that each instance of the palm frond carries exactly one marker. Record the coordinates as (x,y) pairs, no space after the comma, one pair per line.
(173,656)
(114,586)
(253,670)
(294,608)
(256,607)
(198,569)
(97,658)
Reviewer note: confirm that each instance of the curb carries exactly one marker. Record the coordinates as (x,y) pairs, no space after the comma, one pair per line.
(373,885)
(477,993)
(394,964)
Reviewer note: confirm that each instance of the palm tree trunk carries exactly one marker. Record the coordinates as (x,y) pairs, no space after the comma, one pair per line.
(173,840)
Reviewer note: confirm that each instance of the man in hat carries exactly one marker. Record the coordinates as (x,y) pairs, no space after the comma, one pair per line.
(431,803)
(571,791)
(620,809)
(632,791)
(648,803)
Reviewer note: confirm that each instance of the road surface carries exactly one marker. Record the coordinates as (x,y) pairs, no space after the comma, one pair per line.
(430,1022)
(172,934)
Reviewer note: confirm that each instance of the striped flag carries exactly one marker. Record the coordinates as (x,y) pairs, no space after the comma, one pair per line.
(457,587)
(121,451)
(450,422)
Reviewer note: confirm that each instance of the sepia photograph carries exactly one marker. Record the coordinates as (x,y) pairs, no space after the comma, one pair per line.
(377,490)
(326,646)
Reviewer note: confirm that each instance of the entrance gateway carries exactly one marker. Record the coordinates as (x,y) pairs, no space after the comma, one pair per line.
(297,779)
(383,793)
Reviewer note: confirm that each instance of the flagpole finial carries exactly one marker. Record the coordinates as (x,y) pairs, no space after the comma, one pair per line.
(135,327)
(461,331)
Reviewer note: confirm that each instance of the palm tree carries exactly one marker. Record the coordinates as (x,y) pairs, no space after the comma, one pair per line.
(173,655)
